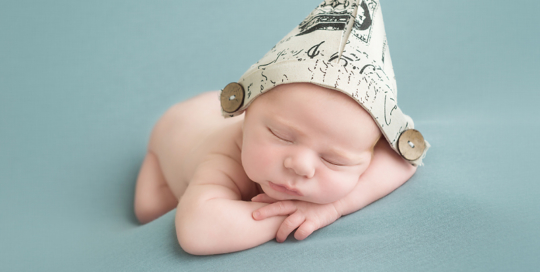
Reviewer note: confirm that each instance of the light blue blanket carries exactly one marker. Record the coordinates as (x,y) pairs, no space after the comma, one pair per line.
(83,82)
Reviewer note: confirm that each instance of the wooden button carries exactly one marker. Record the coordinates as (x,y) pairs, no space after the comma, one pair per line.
(232,97)
(411,144)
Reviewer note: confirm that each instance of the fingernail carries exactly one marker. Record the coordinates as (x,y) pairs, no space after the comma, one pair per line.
(256,215)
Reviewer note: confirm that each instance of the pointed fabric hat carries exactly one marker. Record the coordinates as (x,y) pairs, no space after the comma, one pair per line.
(342,46)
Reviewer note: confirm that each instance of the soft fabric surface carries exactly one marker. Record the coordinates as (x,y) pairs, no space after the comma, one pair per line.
(82,83)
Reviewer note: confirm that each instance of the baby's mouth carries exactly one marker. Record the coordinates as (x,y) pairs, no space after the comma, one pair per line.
(285,189)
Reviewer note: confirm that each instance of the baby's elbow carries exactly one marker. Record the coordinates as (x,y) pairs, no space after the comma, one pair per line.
(402,173)
(406,171)
(410,170)
(191,238)
(197,236)
(190,244)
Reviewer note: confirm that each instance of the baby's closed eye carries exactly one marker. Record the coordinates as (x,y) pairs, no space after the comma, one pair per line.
(277,135)
(333,162)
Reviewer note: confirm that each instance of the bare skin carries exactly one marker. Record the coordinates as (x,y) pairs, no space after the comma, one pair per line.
(176,147)
(213,171)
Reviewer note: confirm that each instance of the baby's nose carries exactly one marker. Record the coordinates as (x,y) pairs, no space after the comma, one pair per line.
(301,164)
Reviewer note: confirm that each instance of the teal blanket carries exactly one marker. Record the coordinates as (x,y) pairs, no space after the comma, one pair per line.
(83,82)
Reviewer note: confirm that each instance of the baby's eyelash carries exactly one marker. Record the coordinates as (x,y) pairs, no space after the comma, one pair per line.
(278,136)
(333,163)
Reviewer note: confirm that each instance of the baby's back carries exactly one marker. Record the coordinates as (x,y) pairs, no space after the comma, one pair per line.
(189,133)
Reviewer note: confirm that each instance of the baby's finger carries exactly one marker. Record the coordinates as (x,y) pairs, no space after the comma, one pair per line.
(291,223)
(263,198)
(274,209)
(305,230)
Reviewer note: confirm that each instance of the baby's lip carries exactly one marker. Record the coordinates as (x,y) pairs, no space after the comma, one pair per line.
(285,189)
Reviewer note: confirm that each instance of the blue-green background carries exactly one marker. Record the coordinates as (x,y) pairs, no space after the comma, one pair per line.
(83,82)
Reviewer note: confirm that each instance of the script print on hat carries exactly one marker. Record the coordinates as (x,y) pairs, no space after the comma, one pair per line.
(335,15)
(341,45)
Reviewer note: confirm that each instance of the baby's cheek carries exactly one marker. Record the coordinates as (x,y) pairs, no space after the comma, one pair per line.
(336,187)
(256,162)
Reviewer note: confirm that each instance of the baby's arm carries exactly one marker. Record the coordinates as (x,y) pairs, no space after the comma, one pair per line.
(211,217)
(386,173)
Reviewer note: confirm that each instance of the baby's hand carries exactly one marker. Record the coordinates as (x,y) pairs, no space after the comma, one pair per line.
(307,217)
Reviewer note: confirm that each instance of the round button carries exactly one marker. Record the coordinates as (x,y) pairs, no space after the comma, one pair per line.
(411,144)
(232,97)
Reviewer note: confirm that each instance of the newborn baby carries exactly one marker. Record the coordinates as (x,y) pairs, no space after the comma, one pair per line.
(295,147)
(312,132)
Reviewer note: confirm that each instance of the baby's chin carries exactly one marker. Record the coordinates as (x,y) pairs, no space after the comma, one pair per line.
(307,198)
(280,196)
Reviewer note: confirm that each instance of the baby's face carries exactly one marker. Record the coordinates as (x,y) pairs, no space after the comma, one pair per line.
(306,142)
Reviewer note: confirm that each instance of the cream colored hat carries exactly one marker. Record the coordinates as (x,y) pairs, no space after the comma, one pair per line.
(342,46)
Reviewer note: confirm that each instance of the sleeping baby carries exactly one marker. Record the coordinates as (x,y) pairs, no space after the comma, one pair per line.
(312,132)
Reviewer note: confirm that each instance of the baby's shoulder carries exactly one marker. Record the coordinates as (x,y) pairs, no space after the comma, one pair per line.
(222,163)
